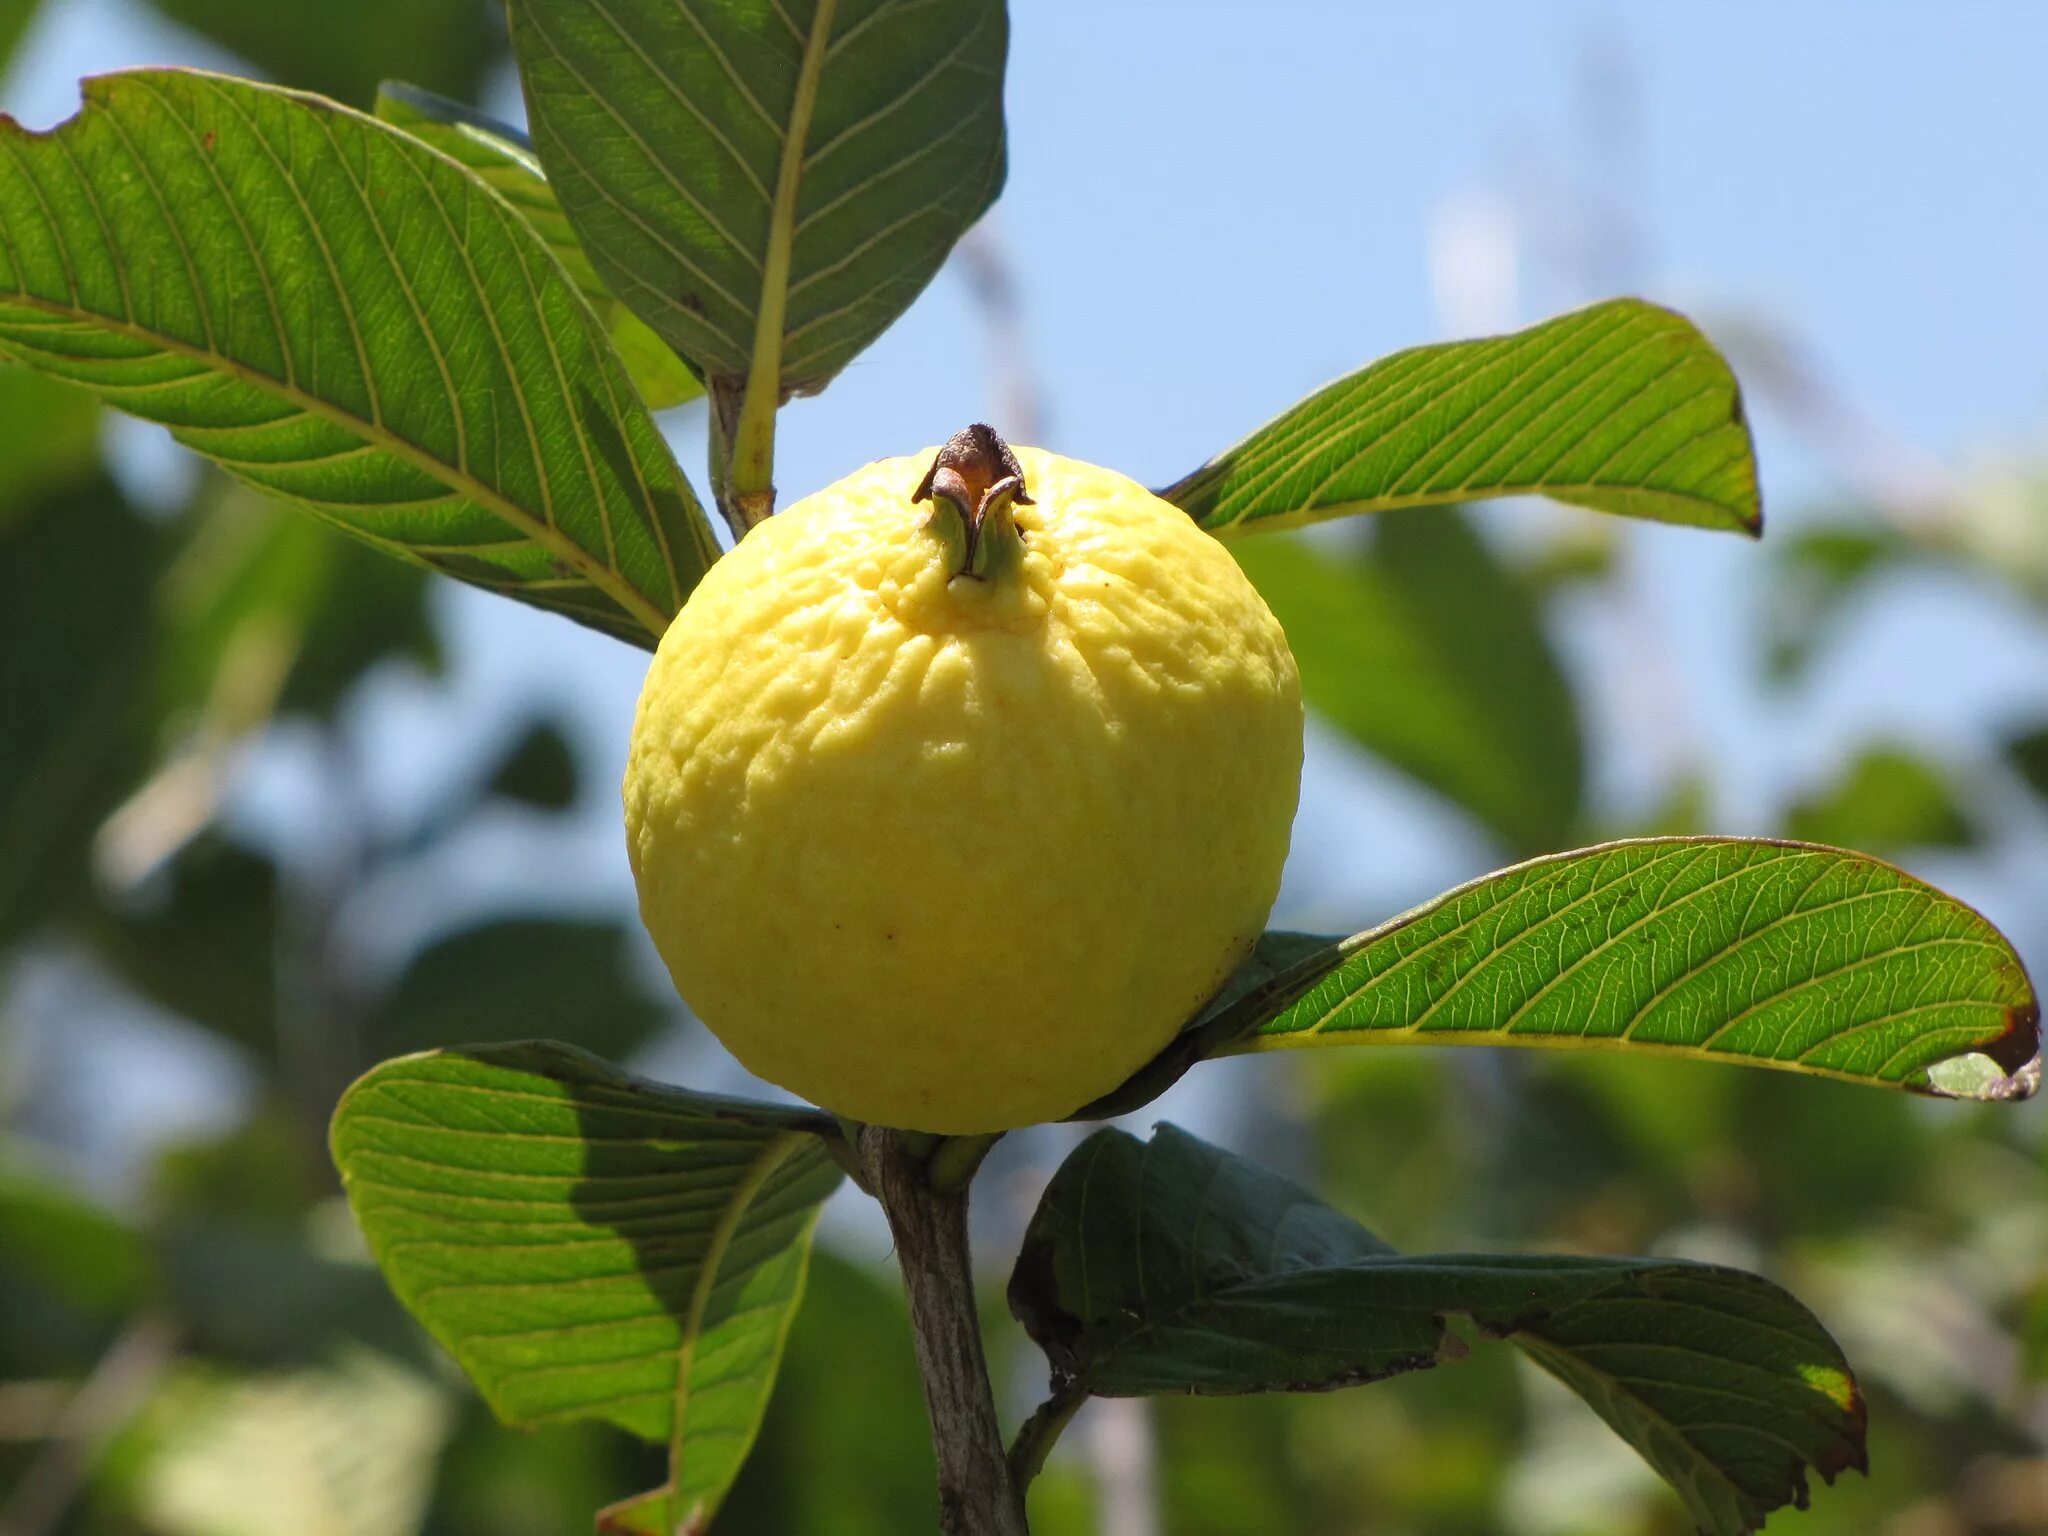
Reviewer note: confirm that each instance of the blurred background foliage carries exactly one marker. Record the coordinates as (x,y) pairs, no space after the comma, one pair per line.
(219,902)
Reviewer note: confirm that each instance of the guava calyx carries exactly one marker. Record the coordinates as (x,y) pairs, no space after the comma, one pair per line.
(972,484)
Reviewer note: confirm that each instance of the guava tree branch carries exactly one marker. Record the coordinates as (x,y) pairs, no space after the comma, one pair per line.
(976,1494)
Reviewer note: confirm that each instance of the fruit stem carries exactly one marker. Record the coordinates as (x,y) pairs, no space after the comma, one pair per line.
(974,483)
(977,1496)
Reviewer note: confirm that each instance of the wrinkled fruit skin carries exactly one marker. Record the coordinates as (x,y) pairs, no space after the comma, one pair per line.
(957,855)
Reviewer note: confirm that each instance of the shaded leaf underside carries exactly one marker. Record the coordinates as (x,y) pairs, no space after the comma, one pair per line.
(1622,407)
(591,1246)
(503,159)
(1775,954)
(343,317)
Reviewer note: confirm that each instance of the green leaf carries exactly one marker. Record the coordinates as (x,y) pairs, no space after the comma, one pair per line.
(539,769)
(846,1447)
(201,939)
(768,185)
(509,978)
(1813,576)
(55,1236)
(15,15)
(1887,800)
(341,316)
(503,158)
(1720,949)
(342,51)
(1428,653)
(49,440)
(1624,407)
(2027,752)
(75,578)
(1172,1266)
(591,1246)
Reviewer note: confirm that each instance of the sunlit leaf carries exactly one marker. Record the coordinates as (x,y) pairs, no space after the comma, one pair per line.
(769,186)
(1428,653)
(503,157)
(344,317)
(1623,407)
(1721,949)
(1173,1266)
(591,1246)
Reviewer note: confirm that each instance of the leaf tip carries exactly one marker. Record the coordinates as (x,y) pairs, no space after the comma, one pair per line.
(2006,1070)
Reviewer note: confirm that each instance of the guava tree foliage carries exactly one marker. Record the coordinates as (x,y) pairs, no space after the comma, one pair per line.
(448,340)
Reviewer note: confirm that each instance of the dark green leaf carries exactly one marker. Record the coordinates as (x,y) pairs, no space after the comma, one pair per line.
(589,1245)
(503,158)
(2028,754)
(200,938)
(62,1240)
(1277,952)
(344,50)
(539,770)
(15,15)
(1172,1266)
(768,186)
(49,440)
(1623,407)
(1887,800)
(1428,653)
(75,578)
(514,978)
(72,1273)
(1720,949)
(411,365)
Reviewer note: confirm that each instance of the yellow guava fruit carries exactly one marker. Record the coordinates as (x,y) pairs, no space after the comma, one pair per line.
(957,787)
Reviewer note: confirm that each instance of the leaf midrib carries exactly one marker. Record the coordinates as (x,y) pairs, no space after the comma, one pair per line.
(772,1157)
(549,538)
(1253,1287)
(770,313)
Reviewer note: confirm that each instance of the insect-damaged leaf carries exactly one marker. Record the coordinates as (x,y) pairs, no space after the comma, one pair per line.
(342,317)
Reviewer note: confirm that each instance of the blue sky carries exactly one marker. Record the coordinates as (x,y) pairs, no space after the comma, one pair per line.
(1209,215)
